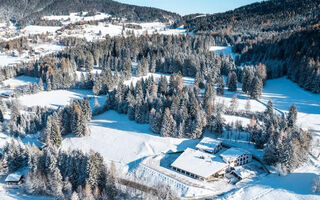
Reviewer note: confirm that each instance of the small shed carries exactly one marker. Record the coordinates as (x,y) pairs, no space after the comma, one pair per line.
(14,179)
(236,156)
(209,145)
(199,165)
(241,173)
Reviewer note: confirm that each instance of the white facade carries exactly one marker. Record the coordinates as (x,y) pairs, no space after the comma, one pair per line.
(236,157)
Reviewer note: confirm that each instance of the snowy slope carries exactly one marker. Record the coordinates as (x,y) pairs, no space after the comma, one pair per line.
(119,139)
(283,93)
(295,186)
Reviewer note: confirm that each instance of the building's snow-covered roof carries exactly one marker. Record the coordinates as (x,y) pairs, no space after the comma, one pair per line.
(208,144)
(232,154)
(199,163)
(14,177)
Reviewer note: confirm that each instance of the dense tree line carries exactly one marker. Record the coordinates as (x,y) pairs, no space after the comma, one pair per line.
(170,108)
(73,118)
(283,35)
(263,16)
(158,53)
(295,55)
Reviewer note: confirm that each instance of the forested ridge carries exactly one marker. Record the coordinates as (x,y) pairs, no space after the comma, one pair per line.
(283,35)
(25,12)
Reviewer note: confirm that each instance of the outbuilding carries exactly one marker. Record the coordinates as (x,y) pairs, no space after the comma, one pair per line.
(14,179)
(209,145)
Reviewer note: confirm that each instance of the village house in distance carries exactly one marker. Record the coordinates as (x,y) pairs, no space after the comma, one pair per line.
(205,164)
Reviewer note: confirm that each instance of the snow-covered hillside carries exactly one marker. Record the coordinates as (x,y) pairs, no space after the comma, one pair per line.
(121,140)
(283,93)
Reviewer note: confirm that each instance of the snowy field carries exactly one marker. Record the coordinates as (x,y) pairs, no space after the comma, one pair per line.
(283,93)
(58,98)
(20,81)
(9,60)
(121,140)
(33,29)
(76,17)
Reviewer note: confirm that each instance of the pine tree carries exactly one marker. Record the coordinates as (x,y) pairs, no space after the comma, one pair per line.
(169,127)
(209,97)
(219,123)
(247,77)
(127,69)
(292,116)
(56,134)
(96,103)
(163,85)
(220,86)
(262,72)
(232,81)
(48,84)
(155,121)
(256,88)
(269,115)
(97,87)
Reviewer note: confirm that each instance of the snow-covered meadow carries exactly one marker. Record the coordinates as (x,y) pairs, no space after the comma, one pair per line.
(59,98)
(283,93)
(121,140)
